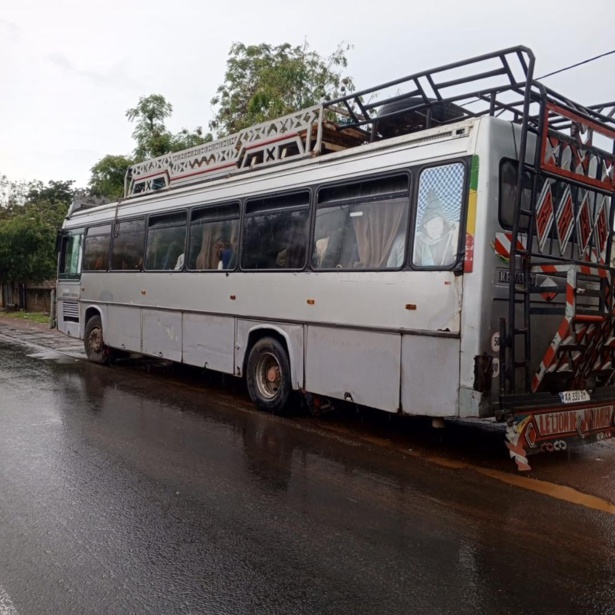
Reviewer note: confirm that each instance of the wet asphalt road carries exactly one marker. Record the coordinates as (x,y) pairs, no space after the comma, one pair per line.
(124,493)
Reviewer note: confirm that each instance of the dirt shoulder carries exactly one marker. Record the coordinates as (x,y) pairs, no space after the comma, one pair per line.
(22,323)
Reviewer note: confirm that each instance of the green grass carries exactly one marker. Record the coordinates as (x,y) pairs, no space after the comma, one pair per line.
(31,316)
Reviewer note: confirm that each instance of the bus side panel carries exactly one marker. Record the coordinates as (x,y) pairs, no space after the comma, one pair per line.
(68,317)
(162,334)
(430,375)
(360,366)
(209,341)
(122,327)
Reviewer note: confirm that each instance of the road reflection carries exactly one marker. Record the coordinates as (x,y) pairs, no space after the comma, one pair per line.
(229,506)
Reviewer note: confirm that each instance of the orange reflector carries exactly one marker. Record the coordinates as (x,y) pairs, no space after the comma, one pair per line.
(311,302)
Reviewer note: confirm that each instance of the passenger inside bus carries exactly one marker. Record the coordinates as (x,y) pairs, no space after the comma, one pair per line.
(366,236)
(223,253)
(212,245)
(435,244)
(173,253)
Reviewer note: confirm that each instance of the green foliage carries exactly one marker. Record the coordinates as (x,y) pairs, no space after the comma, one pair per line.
(189,138)
(107,179)
(152,137)
(30,214)
(27,249)
(30,316)
(263,82)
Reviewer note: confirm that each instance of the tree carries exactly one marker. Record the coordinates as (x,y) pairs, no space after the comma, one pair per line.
(152,136)
(55,192)
(189,138)
(30,214)
(263,82)
(27,249)
(107,178)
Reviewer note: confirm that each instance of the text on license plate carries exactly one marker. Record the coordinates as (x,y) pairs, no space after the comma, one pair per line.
(573,397)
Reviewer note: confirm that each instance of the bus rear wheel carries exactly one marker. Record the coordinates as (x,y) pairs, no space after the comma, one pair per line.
(93,341)
(268,376)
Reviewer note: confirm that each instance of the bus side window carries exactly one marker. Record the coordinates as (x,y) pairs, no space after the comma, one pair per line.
(214,233)
(97,247)
(436,239)
(362,225)
(276,232)
(166,239)
(127,248)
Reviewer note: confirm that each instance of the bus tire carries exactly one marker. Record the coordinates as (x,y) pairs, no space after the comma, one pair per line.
(268,376)
(93,342)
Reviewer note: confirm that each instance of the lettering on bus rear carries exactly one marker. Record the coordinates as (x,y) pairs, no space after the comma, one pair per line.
(583,421)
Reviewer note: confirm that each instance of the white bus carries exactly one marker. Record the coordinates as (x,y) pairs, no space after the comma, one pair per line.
(438,245)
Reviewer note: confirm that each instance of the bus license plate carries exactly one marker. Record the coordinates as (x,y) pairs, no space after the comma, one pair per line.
(573,397)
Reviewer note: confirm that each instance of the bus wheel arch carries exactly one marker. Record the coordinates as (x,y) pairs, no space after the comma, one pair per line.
(267,369)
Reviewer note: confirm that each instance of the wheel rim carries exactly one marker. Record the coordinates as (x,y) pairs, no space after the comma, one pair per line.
(268,376)
(95,341)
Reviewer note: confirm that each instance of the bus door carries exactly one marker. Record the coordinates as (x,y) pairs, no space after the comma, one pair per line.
(69,276)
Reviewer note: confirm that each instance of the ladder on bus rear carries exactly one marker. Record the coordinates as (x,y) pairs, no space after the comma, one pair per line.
(583,345)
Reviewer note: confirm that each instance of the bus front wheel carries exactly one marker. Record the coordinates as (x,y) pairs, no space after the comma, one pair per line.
(268,376)
(93,342)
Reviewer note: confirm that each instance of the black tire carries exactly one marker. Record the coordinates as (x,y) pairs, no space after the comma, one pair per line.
(268,376)
(406,120)
(93,342)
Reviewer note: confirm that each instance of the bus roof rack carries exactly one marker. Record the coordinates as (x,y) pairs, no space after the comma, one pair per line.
(86,201)
(498,84)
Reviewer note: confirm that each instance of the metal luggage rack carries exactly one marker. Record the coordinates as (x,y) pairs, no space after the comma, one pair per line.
(492,84)
(497,84)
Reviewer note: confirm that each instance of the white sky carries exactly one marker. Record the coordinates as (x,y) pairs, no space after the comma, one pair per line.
(69,69)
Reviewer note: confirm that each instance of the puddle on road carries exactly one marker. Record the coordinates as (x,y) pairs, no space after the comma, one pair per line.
(52,355)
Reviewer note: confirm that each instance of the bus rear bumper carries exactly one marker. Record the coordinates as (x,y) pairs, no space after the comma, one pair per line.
(558,427)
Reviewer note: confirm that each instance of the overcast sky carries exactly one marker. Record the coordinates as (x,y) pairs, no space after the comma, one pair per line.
(69,69)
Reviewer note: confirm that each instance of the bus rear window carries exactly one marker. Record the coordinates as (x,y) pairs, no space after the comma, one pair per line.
(508,192)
